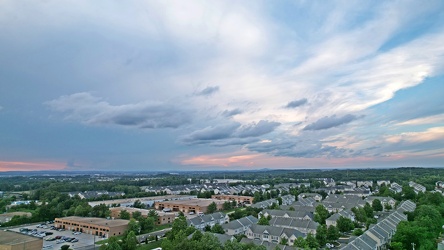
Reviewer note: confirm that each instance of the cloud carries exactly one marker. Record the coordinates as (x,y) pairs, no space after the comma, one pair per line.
(230,134)
(330,122)
(296,103)
(230,113)
(208,91)
(257,129)
(88,109)
(299,147)
(211,133)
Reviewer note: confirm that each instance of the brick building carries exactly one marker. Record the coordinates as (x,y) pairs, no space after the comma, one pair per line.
(15,241)
(94,226)
(188,206)
(239,199)
(162,217)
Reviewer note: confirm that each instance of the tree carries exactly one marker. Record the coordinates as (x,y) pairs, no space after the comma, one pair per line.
(197,235)
(263,221)
(284,241)
(101,211)
(217,229)
(292,209)
(64,247)
(368,210)
(130,242)
(139,204)
(179,224)
(311,241)
(332,233)
(321,214)
(212,208)
(388,206)
(133,226)
(227,205)
(125,215)
(300,242)
(377,205)
(113,244)
(137,215)
(344,224)
(358,232)
(257,197)
(207,228)
(321,235)
(279,199)
(210,242)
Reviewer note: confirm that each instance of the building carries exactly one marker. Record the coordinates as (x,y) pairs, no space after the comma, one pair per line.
(239,226)
(200,222)
(162,217)
(303,226)
(384,201)
(15,241)
(188,206)
(332,220)
(238,198)
(315,196)
(265,204)
(91,225)
(8,216)
(227,181)
(395,187)
(417,187)
(273,234)
(337,203)
(300,214)
(288,199)
(379,235)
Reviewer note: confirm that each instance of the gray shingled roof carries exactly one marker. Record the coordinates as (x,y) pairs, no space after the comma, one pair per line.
(245,221)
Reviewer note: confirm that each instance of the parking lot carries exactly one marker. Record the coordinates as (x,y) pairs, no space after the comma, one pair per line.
(54,238)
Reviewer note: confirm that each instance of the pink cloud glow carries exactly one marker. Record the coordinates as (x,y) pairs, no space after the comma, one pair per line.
(30,166)
(247,160)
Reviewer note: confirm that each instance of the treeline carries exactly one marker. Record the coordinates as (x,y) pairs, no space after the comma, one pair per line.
(424,225)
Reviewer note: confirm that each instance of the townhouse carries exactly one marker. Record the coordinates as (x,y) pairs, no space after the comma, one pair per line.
(273,234)
(378,236)
(239,226)
(332,220)
(302,215)
(200,222)
(304,226)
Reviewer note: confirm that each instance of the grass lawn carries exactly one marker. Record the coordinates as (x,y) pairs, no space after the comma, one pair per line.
(150,245)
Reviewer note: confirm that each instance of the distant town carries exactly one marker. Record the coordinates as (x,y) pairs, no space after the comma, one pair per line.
(400,208)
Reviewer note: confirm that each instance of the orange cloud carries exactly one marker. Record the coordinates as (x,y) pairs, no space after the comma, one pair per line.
(246,159)
(30,166)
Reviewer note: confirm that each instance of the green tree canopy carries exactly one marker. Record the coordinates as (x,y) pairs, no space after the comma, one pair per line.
(321,214)
(263,221)
(212,208)
(124,215)
(377,205)
(344,224)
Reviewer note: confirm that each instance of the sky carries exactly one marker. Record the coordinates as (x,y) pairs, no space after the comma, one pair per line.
(220,85)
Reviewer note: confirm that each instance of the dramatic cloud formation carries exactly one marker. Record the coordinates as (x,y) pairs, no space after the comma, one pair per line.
(233,112)
(208,91)
(330,122)
(181,84)
(92,110)
(297,103)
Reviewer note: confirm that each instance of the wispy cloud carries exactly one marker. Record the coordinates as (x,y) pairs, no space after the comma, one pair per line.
(296,103)
(88,109)
(208,91)
(330,122)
